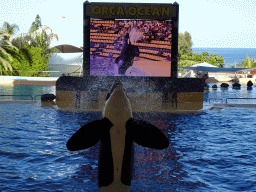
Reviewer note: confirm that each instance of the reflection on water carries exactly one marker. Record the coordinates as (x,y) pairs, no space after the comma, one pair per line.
(209,151)
(33,90)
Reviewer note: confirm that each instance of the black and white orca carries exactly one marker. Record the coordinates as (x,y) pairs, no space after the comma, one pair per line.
(116,132)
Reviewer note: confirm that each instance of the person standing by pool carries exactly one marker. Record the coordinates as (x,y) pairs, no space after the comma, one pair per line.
(126,58)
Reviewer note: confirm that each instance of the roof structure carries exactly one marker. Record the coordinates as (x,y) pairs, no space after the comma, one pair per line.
(203,65)
(66,59)
(206,67)
(69,48)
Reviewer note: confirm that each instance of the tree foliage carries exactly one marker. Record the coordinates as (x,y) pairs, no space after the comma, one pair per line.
(201,58)
(248,63)
(9,29)
(42,38)
(185,44)
(186,54)
(27,59)
(27,52)
(37,24)
(5,43)
(54,50)
(22,41)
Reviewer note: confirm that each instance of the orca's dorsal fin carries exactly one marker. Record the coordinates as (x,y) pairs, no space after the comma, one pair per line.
(146,134)
(88,135)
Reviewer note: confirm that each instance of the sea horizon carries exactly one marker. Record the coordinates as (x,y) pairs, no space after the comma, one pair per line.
(222,48)
(230,55)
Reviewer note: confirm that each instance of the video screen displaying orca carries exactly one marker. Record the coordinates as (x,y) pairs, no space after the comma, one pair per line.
(130,48)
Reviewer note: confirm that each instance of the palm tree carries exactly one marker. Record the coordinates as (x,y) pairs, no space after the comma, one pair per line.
(10,29)
(21,40)
(4,42)
(43,37)
(248,62)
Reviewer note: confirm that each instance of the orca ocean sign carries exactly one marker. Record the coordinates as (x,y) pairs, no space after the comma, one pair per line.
(131,11)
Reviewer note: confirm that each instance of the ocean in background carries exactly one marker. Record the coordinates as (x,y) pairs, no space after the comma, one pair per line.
(230,55)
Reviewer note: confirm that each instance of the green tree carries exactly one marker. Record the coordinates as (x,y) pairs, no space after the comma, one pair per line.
(42,38)
(55,50)
(185,57)
(185,63)
(4,37)
(10,29)
(198,57)
(248,63)
(37,24)
(38,61)
(220,61)
(206,54)
(254,63)
(213,56)
(185,44)
(22,40)
(18,63)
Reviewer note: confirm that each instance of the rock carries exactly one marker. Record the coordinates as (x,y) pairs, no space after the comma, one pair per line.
(236,85)
(48,97)
(249,84)
(224,85)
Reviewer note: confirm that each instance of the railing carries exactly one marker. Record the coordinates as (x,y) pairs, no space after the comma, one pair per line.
(237,98)
(18,96)
(37,96)
(227,99)
(41,73)
(24,96)
(215,99)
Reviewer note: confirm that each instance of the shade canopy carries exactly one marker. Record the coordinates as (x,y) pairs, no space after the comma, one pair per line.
(66,59)
(216,69)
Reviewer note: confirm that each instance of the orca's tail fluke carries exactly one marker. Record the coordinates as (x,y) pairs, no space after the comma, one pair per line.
(88,135)
(146,134)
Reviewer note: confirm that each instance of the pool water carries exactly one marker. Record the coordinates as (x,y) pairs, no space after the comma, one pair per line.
(208,151)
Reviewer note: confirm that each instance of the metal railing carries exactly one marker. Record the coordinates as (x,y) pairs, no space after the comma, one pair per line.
(215,99)
(237,98)
(41,73)
(24,96)
(37,96)
(17,96)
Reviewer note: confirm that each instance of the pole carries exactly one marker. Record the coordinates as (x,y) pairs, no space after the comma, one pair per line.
(175,43)
(86,41)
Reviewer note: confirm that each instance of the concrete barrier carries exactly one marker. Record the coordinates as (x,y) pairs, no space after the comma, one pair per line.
(245,80)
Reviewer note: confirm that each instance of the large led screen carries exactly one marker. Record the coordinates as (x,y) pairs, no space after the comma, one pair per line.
(130,48)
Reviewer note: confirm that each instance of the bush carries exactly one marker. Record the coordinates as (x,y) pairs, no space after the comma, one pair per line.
(38,63)
(185,63)
(185,57)
(27,59)
(19,62)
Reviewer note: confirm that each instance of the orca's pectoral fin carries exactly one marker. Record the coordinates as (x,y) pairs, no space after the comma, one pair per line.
(146,134)
(88,135)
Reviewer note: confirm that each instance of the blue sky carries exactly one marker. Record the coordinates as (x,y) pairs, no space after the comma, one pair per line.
(211,23)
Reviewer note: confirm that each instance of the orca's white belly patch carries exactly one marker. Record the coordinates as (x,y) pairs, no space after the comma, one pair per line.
(117,137)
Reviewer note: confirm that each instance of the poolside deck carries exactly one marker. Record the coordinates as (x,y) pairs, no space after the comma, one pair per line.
(50,81)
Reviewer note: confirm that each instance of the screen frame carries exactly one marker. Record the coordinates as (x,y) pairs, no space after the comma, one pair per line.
(174,18)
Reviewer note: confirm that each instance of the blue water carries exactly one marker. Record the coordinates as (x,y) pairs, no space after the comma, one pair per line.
(209,151)
(230,55)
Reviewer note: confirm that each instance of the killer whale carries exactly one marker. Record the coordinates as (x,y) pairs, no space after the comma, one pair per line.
(116,132)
